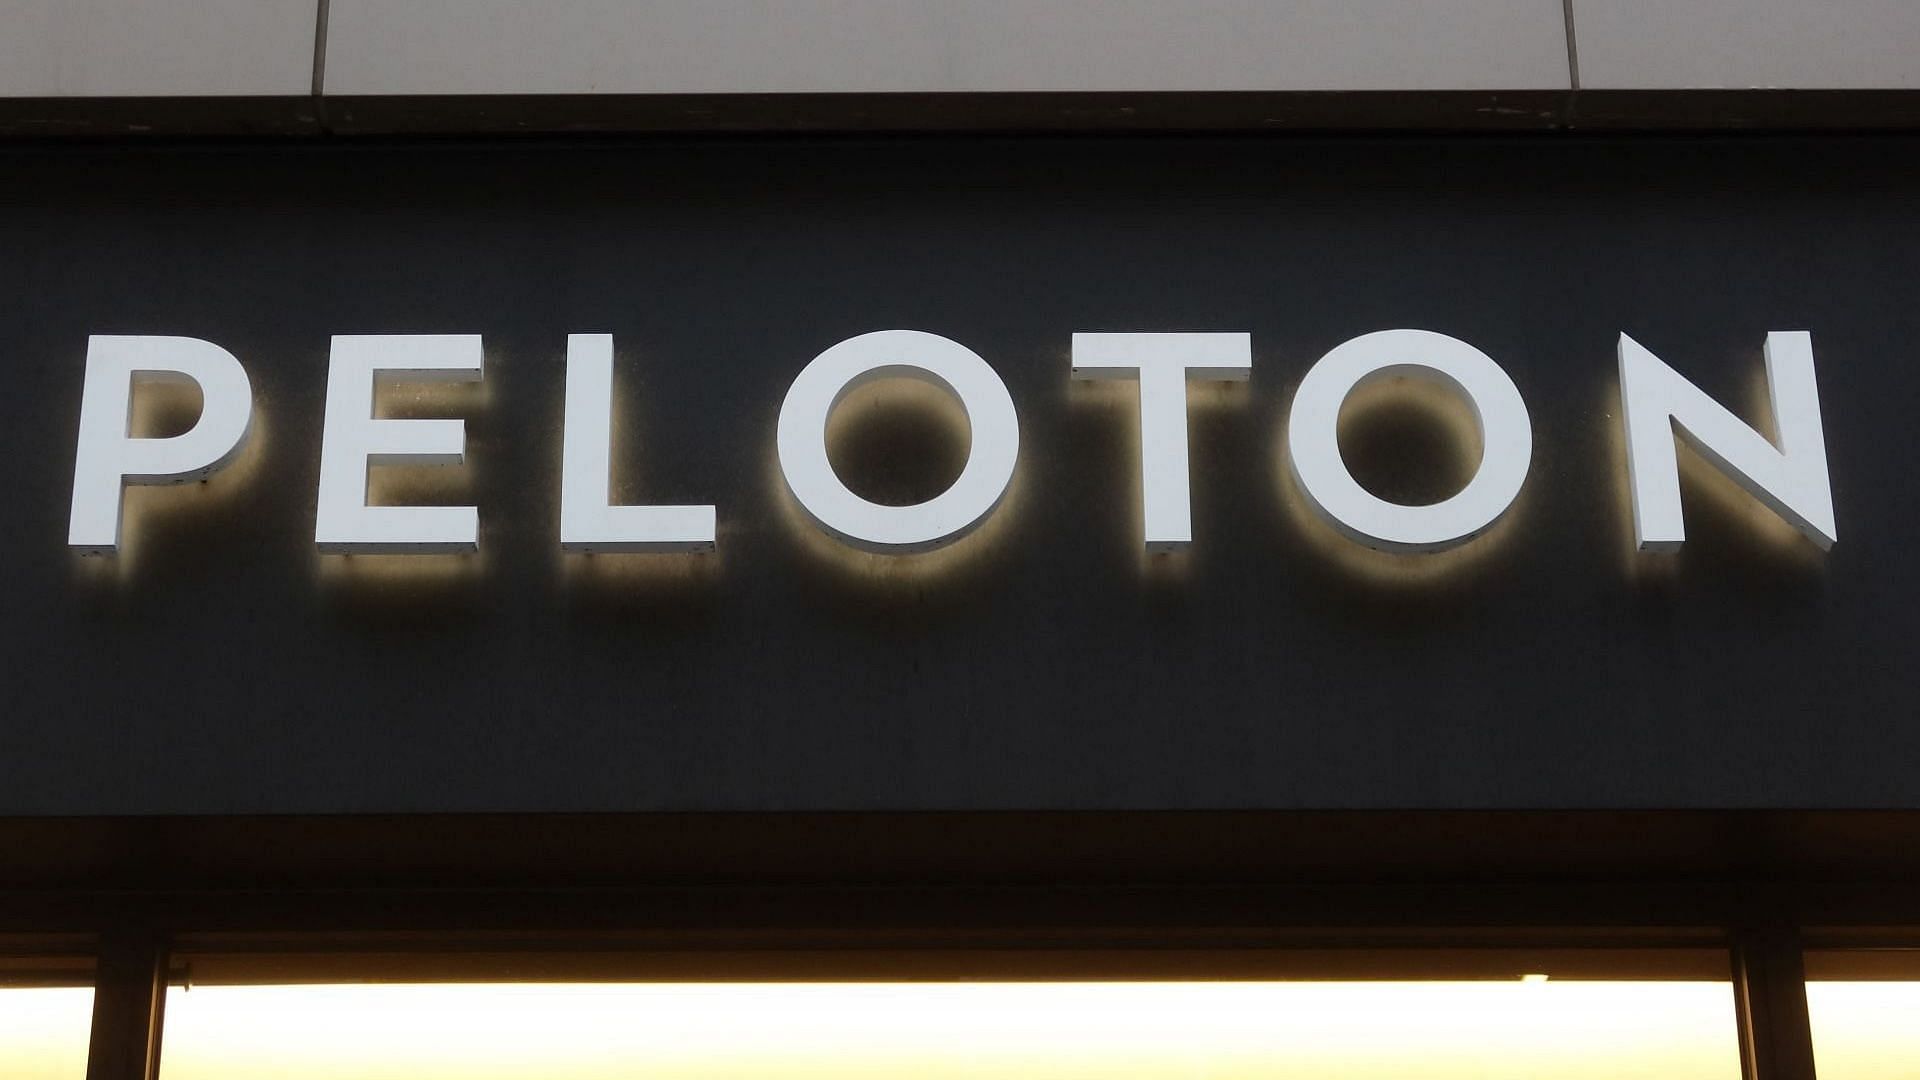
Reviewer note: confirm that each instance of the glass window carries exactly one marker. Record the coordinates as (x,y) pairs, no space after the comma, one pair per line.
(1865,1008)
(43,1028)
(1524,1025)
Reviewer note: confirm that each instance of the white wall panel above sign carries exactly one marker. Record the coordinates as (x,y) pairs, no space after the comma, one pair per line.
(831,46)
(159,48)
(1747,44)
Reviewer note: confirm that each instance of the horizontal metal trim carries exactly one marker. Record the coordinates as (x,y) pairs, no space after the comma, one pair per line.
(1373,111)
(474,962)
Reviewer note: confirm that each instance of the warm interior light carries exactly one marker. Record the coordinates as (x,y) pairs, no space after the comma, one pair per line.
(1535,977)
(43,1032)
(956,1031)
(1865,1030)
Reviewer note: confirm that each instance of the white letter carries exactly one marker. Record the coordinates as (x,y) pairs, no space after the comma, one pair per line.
(353,440)
(587,523)
(1791,479)
(1313,444)
(108,455)
(886,353)
(1163,363)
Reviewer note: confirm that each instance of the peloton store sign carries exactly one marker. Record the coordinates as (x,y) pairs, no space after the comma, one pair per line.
(1788,475)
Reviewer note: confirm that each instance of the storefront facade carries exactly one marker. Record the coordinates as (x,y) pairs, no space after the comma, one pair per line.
(907,575)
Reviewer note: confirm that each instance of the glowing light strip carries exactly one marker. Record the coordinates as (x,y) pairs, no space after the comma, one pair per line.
(956,1031)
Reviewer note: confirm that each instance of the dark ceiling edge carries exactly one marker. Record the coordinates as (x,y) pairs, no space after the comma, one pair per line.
(1224,112)
(1170,876)
(519,850)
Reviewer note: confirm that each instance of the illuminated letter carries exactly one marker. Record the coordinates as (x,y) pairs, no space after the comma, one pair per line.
(353,440)
(1790,479)
(587,523)
(109,456)
(1163,363)
(1506,437)
(912,354)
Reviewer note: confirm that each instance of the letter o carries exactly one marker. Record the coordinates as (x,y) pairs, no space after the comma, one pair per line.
(822,384)
(1313,447)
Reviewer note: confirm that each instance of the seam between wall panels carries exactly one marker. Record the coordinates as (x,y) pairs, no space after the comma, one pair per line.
(320,48)
(1566,12)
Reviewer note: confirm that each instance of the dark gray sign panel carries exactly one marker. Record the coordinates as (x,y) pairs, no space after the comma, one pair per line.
(221,664)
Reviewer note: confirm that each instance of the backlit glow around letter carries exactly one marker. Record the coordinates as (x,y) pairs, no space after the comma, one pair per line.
(108,456)
(1506,436)
(353,440)
(809,475)
(587,523)
(1791,478)
(1163,363)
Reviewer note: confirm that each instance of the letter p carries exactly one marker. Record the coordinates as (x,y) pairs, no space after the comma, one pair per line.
(110,457)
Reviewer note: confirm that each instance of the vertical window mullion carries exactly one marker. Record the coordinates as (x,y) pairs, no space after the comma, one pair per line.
(130,993)
(1770,999)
